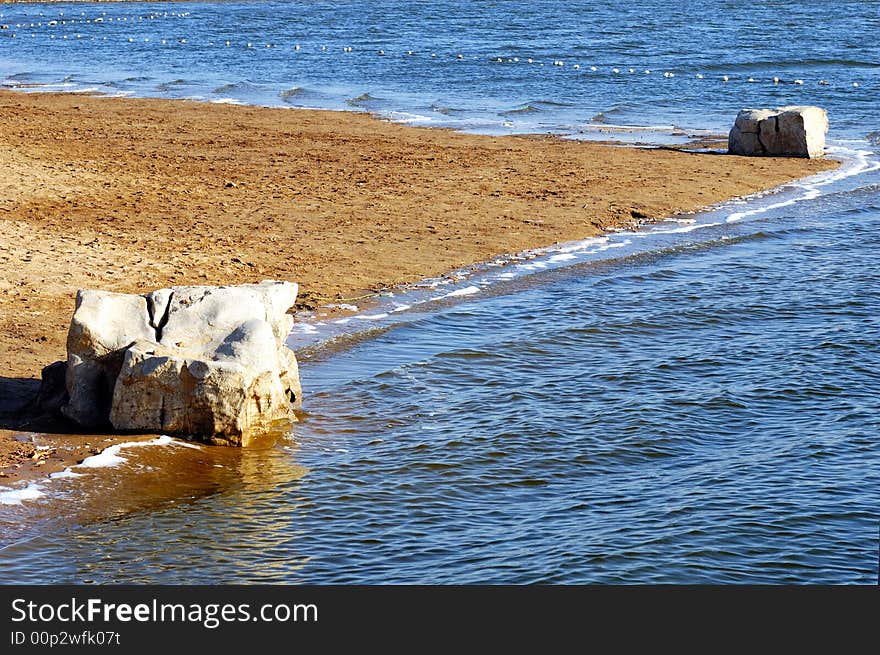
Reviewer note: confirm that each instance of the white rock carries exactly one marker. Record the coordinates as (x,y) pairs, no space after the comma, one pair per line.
(202,361)
(782,132)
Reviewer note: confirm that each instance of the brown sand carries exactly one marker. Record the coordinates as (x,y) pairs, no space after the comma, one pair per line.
(132,195)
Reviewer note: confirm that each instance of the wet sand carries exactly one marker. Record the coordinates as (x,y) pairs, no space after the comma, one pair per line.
(132,195)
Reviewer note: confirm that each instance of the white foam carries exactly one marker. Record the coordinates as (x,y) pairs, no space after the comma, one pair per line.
(110,456)
(408,118)
(678,230)
(107,457)
(860,163)
(59,85)
(372,317)
(615,244)
(66,473)
(467,291)
(400,308)
(631,128)
(564,257)
(343,306)
(15,496)
(186,444)
(582,245)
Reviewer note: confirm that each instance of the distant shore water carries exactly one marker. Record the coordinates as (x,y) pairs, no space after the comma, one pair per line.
(136,194)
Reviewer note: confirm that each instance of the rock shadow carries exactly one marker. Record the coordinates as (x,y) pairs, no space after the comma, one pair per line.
(20,408)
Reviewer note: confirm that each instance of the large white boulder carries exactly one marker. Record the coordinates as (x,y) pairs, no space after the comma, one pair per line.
(782,132)
(209,362)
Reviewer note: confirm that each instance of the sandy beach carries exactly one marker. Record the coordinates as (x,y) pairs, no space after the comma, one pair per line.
(136,194)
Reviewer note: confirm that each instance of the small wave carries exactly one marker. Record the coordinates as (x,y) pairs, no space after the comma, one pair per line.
(408,118)
(535,106)
(467,291)
(50,87)
(873,137)
(168,86)
(526,109)
(553,103)
(615,110)
(65,87)
(19,76)
(677,230)
(291,93)
(7,84)
(584,244)
(443,109)
(228,88)
(137,78)
(363,100)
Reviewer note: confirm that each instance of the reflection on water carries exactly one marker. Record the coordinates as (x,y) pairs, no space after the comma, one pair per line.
(152,479)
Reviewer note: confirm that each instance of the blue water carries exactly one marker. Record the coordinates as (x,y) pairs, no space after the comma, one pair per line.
(693,402)
(179,51)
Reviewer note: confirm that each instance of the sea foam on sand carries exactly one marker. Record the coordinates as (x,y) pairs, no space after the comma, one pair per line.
(15,496)
(110,456)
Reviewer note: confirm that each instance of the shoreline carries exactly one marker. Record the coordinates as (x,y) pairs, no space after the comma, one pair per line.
(133,194)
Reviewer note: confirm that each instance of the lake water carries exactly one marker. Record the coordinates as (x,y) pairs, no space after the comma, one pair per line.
(693,402)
